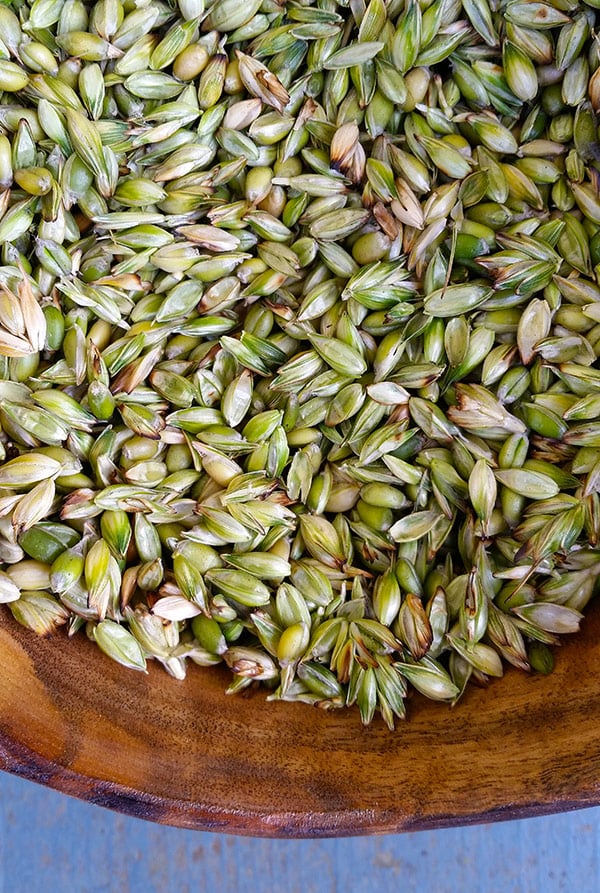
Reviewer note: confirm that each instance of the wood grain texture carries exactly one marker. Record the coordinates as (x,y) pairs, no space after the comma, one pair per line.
(50,843)
(185,754)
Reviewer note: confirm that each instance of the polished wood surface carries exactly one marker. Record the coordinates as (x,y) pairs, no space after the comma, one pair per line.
(183,753)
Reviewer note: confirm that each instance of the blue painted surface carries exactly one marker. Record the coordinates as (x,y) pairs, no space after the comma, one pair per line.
(50,843)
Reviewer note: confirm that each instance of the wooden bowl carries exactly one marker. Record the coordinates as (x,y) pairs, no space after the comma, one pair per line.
(183,753)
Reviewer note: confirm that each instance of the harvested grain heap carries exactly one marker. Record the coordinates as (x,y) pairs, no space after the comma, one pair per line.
(299,327)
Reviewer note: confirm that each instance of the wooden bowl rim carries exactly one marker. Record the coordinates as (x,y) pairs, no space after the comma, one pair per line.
(560,774)
(20,761)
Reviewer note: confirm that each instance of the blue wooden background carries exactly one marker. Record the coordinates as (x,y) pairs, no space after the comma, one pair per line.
(50,843)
